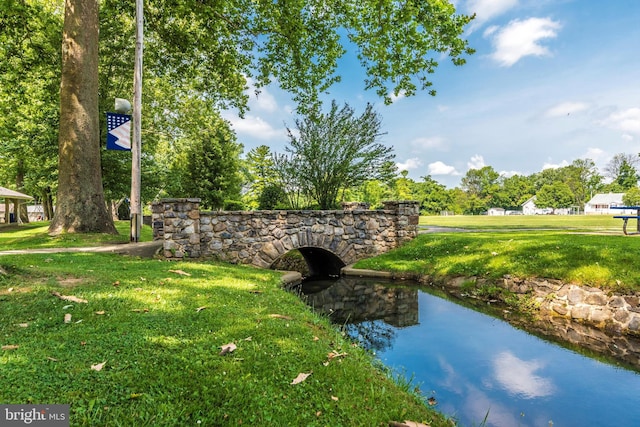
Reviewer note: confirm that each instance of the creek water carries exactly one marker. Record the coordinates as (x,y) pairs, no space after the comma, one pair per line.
(476,368)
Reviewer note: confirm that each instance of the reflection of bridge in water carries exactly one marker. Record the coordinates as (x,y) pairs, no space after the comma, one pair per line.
(351,300)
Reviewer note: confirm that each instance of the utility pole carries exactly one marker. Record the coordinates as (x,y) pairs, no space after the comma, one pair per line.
(136,147)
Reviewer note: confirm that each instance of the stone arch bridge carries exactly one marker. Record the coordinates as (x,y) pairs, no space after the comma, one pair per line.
(328,240)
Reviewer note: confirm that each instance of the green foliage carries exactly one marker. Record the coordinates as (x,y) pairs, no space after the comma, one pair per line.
(333,152)
(29,90)
(480,185)
(556,196)
(207,160)
(271,197)
(632,197)
(233,205)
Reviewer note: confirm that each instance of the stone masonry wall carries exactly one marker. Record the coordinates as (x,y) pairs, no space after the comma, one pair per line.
(261,237)
(599,308)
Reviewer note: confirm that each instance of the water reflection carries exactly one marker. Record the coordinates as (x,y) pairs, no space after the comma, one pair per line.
(480,369)
(358,303)
(519,376)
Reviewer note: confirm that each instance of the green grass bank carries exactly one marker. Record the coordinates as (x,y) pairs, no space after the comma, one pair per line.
(128,341)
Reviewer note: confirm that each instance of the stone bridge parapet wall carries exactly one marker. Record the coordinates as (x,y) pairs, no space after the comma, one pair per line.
(261,237)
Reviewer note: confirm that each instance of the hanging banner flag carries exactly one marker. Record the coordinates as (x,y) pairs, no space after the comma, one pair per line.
(118,131)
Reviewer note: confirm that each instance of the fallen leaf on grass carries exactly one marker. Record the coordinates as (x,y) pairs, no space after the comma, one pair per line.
(71,298)
(23,325)
(10,347)
(334,354)
(407,423)
(335,399)
(301,377)
(316,339)
(52,359)
(280,316)
(180,272)
(116,283)
(98,367)
(67,318)
(140,310)
(248,339)
(227,348)
(99,313)
(199,309)
(255,292)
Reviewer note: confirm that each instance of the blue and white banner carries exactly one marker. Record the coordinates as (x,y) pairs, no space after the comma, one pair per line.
(118,131)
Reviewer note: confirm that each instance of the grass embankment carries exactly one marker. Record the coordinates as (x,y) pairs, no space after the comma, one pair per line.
(144,349)
(523,246)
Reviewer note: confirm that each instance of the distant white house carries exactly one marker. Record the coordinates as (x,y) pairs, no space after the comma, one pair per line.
(496,212)
(601,204)
(529,208)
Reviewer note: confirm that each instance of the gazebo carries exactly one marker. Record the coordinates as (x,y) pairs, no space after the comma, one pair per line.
(12,197)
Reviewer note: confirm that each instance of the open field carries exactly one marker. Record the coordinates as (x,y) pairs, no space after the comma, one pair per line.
(598,223)
(141,342)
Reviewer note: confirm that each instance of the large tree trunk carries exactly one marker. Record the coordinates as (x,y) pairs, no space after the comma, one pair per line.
(80,201)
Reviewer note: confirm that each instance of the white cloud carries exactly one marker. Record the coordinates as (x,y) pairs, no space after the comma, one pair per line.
(399,96)
(255,126)
(260,98)
(566,108)
(594,154)
(627,137)
(476,162)
(426,143)
(627,121)
(519,377)
(522,38)
(486,10)
(548,165)
(439,168)
(413,163)
(509,174)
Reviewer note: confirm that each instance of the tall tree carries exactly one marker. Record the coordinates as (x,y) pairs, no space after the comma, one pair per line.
(337,151)
(480,185)
(434,197)
(583,180)
(261,174)
(620,164)
(30,37)
(212,47)
(556,196)
(207,159)
(80,203)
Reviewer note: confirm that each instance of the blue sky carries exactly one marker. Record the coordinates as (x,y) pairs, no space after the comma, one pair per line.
(551,81)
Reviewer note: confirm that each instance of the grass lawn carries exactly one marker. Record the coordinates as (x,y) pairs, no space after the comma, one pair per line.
(589,250)
(601,223)
(34,235)
(140,344)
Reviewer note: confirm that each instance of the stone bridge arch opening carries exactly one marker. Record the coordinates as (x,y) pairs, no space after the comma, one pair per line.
(314,262)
